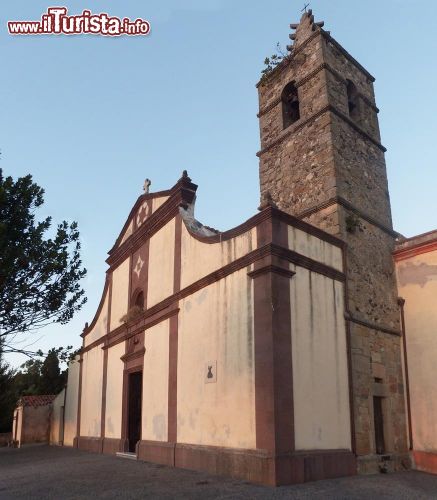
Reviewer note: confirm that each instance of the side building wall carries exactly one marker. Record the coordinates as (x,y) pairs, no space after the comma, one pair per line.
(36,428)
(416,268)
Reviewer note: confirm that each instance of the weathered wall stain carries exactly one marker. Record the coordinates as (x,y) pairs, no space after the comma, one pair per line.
(160,427)
(416,274)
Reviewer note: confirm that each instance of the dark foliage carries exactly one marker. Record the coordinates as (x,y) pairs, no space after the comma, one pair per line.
(7,396)
(39,276)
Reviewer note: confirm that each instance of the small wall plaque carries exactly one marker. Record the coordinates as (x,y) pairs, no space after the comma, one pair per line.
(210,372)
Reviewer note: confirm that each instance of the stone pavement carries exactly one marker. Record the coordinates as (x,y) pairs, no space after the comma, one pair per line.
(41,472)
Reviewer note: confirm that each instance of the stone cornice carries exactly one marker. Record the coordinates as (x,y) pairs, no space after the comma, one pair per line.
(346,54)
(307,78)
(292,129)
(373,326)
(414,249)
(129,356)
(288,60)
(358,128)
(271,268)
(348,206)
(266,214)
(302,123)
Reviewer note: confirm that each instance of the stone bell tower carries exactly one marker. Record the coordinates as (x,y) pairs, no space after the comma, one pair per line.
(322,160)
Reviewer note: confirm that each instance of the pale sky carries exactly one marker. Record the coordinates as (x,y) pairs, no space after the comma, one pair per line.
(91,117)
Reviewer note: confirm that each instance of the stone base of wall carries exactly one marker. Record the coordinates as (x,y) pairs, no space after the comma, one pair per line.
(256,466)
(113,445)
(390,462)
(156,452)
(425,461)
(85,443)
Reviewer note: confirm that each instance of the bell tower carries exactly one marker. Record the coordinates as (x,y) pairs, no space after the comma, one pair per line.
(322,160)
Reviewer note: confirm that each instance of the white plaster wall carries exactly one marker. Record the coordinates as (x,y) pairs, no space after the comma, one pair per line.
(319,354)
(100,328)
(91,403)
(20,433)
(417,284)
(114,391)
(200,259)
(216,327)
(161,264)
(315,248)
(155,383)
(128,232)
(56,419)
(119,295)
(157,202)
(71,400)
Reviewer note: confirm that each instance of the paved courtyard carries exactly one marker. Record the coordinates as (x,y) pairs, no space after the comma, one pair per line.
(60,473)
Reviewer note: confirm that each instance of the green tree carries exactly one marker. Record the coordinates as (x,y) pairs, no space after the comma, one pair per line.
(52,380)
(27,380)
(7,396)
(39,276)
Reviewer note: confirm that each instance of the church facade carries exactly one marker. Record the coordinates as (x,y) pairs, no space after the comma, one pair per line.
(271,352)
(190,359)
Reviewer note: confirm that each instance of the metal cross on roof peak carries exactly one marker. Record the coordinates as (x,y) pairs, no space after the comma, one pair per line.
(305,6)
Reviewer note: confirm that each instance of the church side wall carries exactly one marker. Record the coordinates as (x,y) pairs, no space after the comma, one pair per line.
(215,330)
(320,370)
(417,281)
(155,383)
(114,391)
(91,398)
(315,248)
(200,259)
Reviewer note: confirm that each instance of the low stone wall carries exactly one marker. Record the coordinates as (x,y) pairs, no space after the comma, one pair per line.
(5,438)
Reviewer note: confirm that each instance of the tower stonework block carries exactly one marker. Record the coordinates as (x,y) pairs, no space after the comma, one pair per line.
(326,166)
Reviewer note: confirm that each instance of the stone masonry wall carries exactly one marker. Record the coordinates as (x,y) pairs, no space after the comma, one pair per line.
(326,154)
(376,356)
